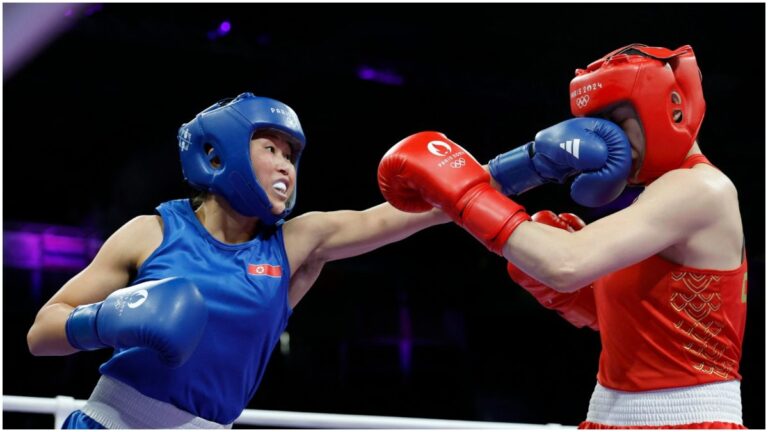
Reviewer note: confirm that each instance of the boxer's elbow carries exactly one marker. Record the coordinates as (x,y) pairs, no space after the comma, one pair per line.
(40,343)
(564,274)
(34,343)
(563,279)
(47,336)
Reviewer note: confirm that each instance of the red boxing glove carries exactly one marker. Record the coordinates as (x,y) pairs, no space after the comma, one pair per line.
(428,170)
(566,221)
(576,307)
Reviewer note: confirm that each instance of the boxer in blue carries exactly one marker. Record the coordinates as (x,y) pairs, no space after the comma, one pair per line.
(194,299)
(210,285)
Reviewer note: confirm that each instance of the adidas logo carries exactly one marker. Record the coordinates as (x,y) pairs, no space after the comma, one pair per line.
(571,147)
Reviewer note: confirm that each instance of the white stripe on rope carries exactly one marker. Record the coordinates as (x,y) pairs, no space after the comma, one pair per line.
(61,406)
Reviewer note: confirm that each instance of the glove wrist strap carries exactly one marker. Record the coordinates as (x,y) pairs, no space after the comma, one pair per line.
(491,217)
(514,170)
(81,328)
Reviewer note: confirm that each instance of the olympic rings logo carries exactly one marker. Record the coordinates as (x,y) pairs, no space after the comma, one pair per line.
(582,101)
(458,163)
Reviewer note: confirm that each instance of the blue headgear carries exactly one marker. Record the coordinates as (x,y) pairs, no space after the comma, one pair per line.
(215,149)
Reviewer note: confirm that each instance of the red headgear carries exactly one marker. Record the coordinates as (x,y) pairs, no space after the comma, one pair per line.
(664,86)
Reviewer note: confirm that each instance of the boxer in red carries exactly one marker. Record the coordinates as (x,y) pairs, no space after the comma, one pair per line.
(664,280)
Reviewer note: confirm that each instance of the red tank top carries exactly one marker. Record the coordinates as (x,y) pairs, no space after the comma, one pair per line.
(666,325)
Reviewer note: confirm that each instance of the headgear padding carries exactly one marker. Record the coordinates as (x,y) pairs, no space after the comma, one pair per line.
(664,86)
(215,149)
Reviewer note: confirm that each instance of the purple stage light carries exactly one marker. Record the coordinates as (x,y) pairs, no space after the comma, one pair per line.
(406,340)
(62,262)
(22,250)
(390,78)
(63,244)
(222,30)
(367,73)
(92,9)
(64,251)
(48,247)
(29,27)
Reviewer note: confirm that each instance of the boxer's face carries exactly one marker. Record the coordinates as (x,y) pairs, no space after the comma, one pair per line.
(625,116)
(272,160)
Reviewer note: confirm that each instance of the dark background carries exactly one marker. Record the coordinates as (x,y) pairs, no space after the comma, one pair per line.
(89,142)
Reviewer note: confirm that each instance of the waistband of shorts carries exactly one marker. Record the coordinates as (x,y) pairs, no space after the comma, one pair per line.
(119,406)
(675,406)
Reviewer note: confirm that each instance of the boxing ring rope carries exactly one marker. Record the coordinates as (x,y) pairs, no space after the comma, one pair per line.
(61,406)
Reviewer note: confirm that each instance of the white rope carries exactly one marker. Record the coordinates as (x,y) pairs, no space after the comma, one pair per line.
(346,421)
(61,406)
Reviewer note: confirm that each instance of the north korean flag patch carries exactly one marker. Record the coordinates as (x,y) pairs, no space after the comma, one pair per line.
(265,270)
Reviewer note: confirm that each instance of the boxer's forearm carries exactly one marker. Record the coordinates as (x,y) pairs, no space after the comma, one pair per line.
(375,227)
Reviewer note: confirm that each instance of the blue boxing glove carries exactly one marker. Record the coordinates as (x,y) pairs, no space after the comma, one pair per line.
(167,316)
(596,150)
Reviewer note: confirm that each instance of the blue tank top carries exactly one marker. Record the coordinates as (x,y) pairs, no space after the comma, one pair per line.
(245,286)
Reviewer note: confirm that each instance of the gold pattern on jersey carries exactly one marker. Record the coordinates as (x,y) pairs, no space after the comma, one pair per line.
(694,299)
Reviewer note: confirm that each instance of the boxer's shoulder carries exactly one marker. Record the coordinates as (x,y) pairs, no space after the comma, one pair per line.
(315,224)
(303,234)
(136,239)
(693,201)
(704,184)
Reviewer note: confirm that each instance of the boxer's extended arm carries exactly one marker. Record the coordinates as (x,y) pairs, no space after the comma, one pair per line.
(669,212)
(354,233)
(315,238)
(109,271)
